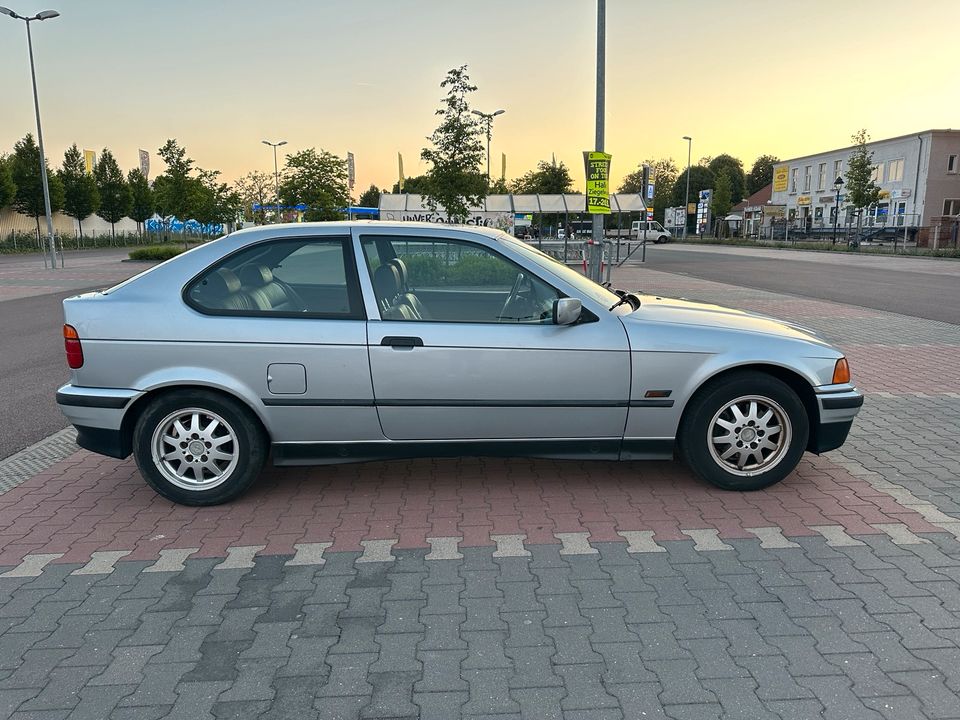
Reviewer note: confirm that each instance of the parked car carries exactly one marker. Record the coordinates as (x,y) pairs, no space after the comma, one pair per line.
(341,342)
(649,231)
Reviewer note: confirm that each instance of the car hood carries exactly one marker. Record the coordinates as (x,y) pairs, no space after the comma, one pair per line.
(655,308)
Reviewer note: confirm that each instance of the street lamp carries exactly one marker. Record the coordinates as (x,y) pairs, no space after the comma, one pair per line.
(686,200)
(45,15)
(837,184)
(276,172)
(489,118)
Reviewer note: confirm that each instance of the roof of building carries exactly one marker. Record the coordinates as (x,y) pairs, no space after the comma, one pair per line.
(760,197)
(872,143)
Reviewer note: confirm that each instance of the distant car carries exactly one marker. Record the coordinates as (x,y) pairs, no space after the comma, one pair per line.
(340,342)
(649,230)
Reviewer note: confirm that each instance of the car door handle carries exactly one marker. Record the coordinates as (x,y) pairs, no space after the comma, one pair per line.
(402,342)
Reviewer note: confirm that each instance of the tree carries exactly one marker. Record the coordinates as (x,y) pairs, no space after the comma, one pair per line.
(664,176)
(550,178)
(734,170)
(256,188)
(761,174)
(115,196)
(24,167)
(176,190)
(317,180)
(370,197)
(861,190)
(141,198)
(456,184)
(722,199)
(81,197)
(498,187)
(216,202)
(700,179)
(8,189)
(416,185)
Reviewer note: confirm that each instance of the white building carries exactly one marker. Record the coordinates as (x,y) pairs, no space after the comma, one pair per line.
(918,175)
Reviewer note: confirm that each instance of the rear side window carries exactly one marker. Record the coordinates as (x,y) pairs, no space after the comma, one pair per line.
(306,277)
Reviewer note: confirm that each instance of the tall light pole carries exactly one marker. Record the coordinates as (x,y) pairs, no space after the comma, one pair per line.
(686,198)
(276,173)
(489,119)
(45,15)
(838,183)
(597,235)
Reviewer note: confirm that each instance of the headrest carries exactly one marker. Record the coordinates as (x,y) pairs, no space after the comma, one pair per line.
(222,282)
(401,269)
(256,275)
(386,281)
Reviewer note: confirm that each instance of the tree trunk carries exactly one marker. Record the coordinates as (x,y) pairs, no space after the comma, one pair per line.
(80,225)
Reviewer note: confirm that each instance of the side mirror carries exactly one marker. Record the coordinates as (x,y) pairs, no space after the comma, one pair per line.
(566,311)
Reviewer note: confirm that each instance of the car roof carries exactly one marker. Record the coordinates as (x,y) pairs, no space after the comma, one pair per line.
(381,225)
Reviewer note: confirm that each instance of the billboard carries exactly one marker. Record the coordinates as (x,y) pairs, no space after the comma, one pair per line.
(781,175)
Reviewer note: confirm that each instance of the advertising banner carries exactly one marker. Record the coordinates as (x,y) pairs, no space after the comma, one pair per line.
(400,163)
(781,175)
(89,160)
(598,181)
(351,170)
(145,163)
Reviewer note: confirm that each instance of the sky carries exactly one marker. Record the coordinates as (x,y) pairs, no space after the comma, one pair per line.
(745,77)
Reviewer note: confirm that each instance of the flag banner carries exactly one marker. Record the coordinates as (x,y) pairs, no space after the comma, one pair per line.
(503,167)
(400,161)
(351,170)
(89,159)
(145,163)
(597,166)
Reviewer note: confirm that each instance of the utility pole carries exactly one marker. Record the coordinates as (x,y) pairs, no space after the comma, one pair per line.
(596,253)
(276,175)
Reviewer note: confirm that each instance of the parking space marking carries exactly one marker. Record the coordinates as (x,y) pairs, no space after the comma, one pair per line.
(171,560)
(377,551)
(31,565)
(900,534)
(444,548)
(640,541)
(575,543)
(510,546)
(308,554)
(240,557)
(706,539)
(772,538)
(101,563)
(835,535)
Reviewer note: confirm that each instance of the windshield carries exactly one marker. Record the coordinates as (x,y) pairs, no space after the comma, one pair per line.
(586,286)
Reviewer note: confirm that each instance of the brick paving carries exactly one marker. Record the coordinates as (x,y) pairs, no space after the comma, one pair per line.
(515,588)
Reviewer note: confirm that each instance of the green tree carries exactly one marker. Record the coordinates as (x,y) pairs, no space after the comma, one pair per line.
(734,170)
(498,187)
(761,174)
(456,184)
(550,178)
(141,198)
(861,190)
(81,197)
(722,199)
(115,196)
(8,189)
(24,167)
(370,197)
(700,179)
(317,180)
(217,203)
(256,188)
(664,176)
(176,189)
(416,185)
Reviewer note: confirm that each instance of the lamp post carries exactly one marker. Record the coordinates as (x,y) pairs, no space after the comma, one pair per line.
(686,197)
(488,117)
(45,15)
(276,173)
(837,184)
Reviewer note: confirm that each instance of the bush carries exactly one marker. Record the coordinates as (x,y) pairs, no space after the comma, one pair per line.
(156,252)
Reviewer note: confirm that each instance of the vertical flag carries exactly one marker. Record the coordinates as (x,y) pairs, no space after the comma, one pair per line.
(503,167)
(89,159)
(351,171)
(400,160)
(145,163)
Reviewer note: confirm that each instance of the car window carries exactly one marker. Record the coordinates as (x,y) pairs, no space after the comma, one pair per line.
(313,277)
(417,279)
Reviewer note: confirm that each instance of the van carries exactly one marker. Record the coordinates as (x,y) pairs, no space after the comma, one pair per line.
(649,231)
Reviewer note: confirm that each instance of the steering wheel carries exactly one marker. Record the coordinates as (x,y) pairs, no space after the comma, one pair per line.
(511,299)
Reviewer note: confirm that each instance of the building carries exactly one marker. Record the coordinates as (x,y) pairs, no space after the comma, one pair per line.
(918,175)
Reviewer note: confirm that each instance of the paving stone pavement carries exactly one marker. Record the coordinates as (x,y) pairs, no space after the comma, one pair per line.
(514,588)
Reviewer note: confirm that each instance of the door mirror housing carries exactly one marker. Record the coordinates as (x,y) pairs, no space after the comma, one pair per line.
(566,311)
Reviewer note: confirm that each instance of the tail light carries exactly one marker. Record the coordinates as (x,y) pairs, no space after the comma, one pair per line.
(841,372)
(71,343)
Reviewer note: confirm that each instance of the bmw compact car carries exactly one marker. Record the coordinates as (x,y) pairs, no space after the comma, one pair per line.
(343,342)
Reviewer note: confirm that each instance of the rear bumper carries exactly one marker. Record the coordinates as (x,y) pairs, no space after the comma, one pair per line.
(98,414)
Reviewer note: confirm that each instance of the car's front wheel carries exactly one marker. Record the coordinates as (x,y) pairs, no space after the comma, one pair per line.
(197,447)
(745,431)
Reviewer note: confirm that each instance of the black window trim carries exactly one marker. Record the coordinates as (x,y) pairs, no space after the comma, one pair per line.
(354,292)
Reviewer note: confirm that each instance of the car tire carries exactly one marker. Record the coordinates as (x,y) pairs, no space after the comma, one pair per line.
(197,447)
(728,435)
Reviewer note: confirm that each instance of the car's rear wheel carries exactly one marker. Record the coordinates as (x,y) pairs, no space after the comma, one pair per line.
(745,431)
(197,447)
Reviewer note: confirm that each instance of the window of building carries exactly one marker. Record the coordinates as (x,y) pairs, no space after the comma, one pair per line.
(806,178)
(822,177)
(951,207)
(837,169)
(793,180)
(877,175)
(952,164)
(895,170)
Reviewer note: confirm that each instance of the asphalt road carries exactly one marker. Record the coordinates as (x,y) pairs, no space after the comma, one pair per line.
(922,292)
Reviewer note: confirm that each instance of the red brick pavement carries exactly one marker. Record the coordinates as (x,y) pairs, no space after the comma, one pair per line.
(88,503)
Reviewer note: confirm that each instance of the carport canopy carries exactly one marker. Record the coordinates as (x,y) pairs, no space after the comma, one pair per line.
(540,204)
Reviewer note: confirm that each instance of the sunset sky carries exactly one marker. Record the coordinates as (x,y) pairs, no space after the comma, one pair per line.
(746,77)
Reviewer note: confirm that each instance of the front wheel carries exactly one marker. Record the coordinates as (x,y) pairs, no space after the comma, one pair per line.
(197,447)
(744,432)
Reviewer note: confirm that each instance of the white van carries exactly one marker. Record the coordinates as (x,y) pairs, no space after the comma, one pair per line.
(649,230)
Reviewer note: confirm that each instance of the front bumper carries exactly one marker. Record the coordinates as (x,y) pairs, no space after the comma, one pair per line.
(838,405)
(98,415)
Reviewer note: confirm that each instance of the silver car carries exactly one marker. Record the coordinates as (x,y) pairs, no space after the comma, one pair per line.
(343,342)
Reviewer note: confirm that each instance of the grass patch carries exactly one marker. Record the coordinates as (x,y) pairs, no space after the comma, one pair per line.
(156,252)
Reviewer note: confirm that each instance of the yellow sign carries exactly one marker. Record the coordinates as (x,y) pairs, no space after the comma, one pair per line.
(884,194)
(803,200)
(691,208)
(781,176)
(598,182)
(89,159)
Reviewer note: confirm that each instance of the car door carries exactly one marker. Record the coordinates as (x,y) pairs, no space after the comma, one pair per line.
(482,359)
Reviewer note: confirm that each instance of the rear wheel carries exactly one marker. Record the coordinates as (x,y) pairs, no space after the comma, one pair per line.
(197,447)
(744,432)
